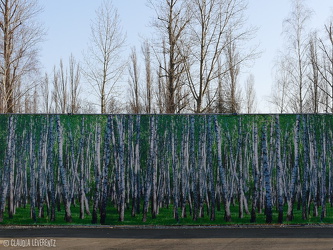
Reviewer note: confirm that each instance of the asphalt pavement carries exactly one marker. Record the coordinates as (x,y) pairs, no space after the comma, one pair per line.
(108,237)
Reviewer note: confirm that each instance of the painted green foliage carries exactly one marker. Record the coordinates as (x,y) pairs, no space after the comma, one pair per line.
(194,164)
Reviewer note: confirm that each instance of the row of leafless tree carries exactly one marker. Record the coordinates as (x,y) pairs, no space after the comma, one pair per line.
(196,165)
(304,71)
(191,64)
(20,35)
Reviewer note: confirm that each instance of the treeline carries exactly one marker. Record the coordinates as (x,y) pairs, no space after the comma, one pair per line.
(191,63)
(193,164)
(303,70)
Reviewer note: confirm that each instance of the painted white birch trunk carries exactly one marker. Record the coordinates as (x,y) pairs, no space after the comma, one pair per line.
(121,164)
(8,166)
(63,172)
(225,191)
(279,170)
(267,177)
(98,175)
(255,167)
(292,190)
(105,173)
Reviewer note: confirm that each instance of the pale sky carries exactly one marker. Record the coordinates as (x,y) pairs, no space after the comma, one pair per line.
(68,29)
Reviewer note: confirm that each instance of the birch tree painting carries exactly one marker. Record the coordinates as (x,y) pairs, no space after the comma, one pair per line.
(119,167)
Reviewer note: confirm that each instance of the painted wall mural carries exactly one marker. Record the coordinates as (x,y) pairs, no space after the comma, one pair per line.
(194,165)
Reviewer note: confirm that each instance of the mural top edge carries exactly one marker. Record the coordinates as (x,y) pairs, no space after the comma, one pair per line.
(184,114)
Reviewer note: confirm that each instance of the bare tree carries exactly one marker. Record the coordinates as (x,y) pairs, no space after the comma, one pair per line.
(35,100)
(232,69)
(56,92)
(103,63)
(250,102)
(215,25)
(74,85)
(20,33)
(60,89)
(172,20)
(297,43)
(160,92)
(148,95)
(29,102)
(314,75)
(134,84)
(45,91)
(280,96)
(210,22)
(66,87)
(221,99)
(325,67)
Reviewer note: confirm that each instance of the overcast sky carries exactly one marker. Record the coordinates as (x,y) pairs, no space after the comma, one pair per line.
(68,29)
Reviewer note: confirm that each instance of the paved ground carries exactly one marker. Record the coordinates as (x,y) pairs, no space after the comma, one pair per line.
(167,238)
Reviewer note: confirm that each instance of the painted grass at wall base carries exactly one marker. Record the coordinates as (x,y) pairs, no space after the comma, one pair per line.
(166,169)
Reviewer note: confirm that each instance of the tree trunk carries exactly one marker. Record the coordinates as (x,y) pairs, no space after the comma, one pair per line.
(193,169)
(11,166)
(137,170)
(323,179)
(106,162)
(202,168)
(305,170)
(32,176)
(240,171)
(121,164)
(210,168)
(154,171)
(82,181)
(63,173)
(97,164)
(279,169)
(41,171)
(225,194)
(8,166)
(291,194)
(149,173)
(175,172)
(50,168)
(255,165)
(267,177)
(184,167)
